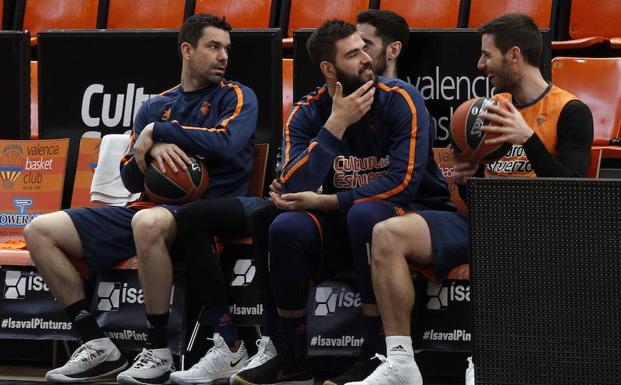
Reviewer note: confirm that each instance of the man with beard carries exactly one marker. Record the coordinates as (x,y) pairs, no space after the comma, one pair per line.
(385,34)
(551,132)
(205,115)
(367,142)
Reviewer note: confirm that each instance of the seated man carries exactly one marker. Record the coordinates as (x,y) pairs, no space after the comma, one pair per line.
(385,35)
(551,128)
(366,141)
(206,116)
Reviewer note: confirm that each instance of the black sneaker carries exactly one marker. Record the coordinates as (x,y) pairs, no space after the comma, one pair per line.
(280,370)
(358,372)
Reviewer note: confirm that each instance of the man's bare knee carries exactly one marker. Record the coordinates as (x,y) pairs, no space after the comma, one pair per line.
(385,241)
(54,230)
(151,226)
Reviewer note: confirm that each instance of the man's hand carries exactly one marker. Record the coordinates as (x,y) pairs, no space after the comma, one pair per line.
(306,200)
(276,187)
(143,146)
(347,110)
(463,170)
(510,125)
(169,155)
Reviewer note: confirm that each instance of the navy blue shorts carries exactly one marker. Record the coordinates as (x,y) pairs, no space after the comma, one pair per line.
(450,239)
(106,235)
(106,232)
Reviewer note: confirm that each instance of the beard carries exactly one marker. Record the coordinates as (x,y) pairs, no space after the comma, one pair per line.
(505,80)
(380,64)
(351,82)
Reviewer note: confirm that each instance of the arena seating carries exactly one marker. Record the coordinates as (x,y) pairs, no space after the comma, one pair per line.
(591,23)
(542,11)
(297,14)
(426,14)
(37,15)
(124,14)
(242,13)
(596,82)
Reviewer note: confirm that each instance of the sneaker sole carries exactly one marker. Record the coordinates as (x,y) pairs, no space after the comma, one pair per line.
(132,381)
(223,378)
(328,382)
(235,380)
(58,377)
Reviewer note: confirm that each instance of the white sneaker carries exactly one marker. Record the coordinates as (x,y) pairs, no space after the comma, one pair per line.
(266,351)
(151,366)
(219,363)
(470,372)
(391,372)
(93,360)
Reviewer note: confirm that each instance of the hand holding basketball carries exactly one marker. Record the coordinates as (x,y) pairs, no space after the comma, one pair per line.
(164,186)
(169,156)
(143,145)
(471,143)
(509,125)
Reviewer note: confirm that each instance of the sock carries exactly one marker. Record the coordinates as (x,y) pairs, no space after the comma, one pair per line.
(157,330)
(220,319)
(374,333)
(294,333)
(400,348)
(84,322)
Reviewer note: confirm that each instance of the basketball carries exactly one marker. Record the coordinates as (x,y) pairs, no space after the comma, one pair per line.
(176,188)
(467,137)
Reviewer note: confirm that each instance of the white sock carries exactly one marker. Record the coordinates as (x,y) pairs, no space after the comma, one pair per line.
(399,348)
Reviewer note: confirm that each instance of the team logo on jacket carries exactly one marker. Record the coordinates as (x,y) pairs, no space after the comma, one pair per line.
(541,118)
(351,172)
(205,107)
(166,114)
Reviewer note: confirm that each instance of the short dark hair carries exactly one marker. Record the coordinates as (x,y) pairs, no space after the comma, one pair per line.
(516,29)
(390,26)
(192,29)
(321,46)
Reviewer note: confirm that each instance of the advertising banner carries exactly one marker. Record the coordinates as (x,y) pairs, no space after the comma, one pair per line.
(442,318)
(334,320)
(244,289)
(118,304)
(32,173)
(27,308)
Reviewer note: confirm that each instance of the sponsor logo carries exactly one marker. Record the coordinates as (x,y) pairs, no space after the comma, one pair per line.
(247,310)
(11,164)
(343,341)
(328,299)
(351,172)
(124,104)
(18,283)
(18,219)
(243,272)
(454,335)
(440,296)
(398,348)
(111,295)
(34,323)
(234,363)
(127,335)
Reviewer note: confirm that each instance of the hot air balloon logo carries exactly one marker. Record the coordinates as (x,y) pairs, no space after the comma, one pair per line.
(11,164)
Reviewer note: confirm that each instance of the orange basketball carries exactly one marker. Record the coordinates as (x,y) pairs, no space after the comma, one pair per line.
(467,137)
(176,188)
